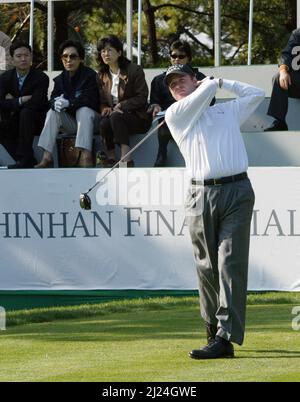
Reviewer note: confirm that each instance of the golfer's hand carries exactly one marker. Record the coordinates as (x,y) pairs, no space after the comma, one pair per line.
(284,80)
(118,108)
(106,111)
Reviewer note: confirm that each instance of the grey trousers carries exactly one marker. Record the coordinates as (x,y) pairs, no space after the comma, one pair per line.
(83,125)
(220,238)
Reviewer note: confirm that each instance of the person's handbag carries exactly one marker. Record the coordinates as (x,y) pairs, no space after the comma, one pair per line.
(68,155)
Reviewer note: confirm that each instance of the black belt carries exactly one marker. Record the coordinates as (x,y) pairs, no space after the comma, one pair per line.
(222,180)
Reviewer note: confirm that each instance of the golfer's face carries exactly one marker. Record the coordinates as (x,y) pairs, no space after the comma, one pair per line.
(182,85)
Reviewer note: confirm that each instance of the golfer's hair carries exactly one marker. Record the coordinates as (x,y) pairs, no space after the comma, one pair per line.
(183,46)
(113,41)
(71,43)
(16,45)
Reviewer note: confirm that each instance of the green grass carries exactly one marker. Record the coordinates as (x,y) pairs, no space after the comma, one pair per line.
(146,340)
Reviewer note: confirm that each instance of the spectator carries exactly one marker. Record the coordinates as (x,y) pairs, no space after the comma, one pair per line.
(286,83)
(23,104)
(74,105)
(161,98)
(124,95)
(5,59)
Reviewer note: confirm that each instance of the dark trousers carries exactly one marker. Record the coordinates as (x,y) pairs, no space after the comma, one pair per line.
(164,136)
(117,128)
(220,237)
(18,130)
(278,107)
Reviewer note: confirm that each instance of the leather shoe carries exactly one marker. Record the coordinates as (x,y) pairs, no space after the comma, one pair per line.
(45,163)
(23,164)
(86,163)
(128,164)
(103,161)
(217,349)
(278,125)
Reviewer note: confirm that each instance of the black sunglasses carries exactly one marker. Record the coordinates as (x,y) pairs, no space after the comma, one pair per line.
(69,56)
(178,56)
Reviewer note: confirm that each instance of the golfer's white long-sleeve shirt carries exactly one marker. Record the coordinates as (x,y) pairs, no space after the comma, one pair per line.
(209,138)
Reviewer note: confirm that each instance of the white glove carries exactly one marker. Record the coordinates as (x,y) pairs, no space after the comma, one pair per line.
(61,103)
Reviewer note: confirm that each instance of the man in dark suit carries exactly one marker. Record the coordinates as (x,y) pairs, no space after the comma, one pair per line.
(23,105)
(286,83)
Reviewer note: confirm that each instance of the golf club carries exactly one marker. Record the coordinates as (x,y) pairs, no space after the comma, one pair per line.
(84,200)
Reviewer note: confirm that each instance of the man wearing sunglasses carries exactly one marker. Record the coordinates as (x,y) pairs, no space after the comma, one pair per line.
(161,98)
(74,105)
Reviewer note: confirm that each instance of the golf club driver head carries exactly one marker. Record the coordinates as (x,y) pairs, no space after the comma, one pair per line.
(85,201)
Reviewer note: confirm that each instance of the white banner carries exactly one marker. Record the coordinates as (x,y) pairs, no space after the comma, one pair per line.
(135,236)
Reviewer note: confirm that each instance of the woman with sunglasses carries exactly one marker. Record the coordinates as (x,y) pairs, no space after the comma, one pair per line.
(74,102)
(161,98)
(124,96)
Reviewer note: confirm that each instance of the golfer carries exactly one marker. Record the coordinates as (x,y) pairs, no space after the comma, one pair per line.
(220,202)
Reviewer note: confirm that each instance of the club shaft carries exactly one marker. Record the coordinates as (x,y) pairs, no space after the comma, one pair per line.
(128,154)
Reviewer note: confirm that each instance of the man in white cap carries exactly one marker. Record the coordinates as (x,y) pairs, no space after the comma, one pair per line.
(220,201)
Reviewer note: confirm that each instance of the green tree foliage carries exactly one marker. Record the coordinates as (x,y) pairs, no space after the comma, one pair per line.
(163,22)
(273,22)
(14,21)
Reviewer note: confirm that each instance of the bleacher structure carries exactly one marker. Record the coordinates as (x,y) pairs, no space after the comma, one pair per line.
(263,148)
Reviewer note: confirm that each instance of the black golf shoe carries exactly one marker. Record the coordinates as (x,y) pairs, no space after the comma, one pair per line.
(278,125)
(217,349)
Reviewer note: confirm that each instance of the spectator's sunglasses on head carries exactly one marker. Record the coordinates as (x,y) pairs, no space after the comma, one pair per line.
(71,56)
(178,56)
